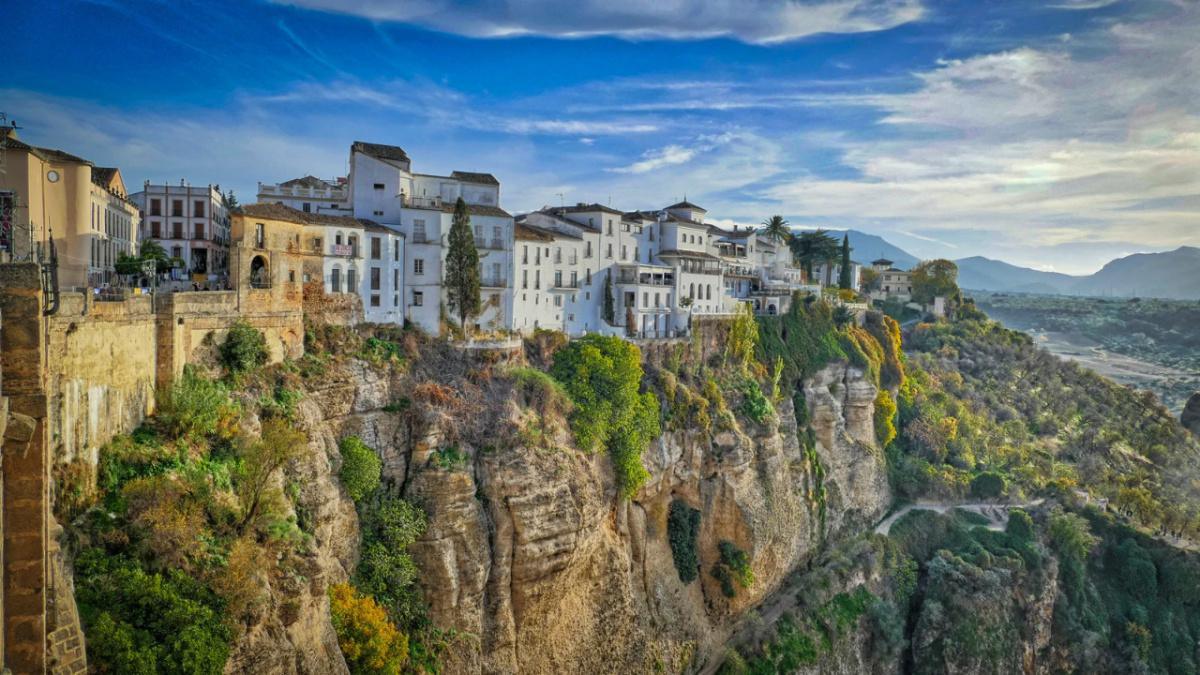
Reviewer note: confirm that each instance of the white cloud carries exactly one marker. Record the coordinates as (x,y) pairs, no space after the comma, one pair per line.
(756,21)
(674,154)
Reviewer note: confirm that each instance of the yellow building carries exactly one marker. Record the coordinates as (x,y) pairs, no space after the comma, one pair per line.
(50,193)
(266,263)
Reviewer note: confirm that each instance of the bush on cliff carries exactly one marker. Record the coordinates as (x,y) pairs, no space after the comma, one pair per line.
(244,348)
(146,622)
(360,468)
(683,527)
(195,406)
(602,375)
(369,641)
(386,571)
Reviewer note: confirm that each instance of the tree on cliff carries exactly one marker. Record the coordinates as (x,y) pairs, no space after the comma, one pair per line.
(844,280)
(462,267)
(934,278)
(809,248)
(610,313)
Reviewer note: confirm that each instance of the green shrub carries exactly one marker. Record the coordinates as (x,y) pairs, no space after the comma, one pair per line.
(540,391)
(146,622)
(734,566)
(755,404)
(385,570)
(361,468)
(379,352)
(683,528)
(195,406)
(988,485)
(602,375)
(244,348)
(449,458)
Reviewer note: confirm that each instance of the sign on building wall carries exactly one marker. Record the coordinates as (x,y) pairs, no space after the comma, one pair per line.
(343,249)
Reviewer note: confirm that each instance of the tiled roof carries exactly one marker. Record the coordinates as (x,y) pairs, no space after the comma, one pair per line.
(687,254)
(530,233)
(60,156)
(585,208)
(379,151)
(471,177)
(686,205)
(557,212)
(103,175)
(307,181)
(882,261)
(287,213)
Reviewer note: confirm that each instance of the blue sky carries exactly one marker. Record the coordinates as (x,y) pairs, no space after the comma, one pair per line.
(1052,134)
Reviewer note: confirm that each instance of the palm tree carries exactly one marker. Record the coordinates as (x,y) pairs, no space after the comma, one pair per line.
(776,229)
(811,247)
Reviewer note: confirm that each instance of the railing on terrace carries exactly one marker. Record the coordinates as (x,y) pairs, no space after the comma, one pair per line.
(493,282)
(422,202)
(318,193)
(567,284)
(494,244)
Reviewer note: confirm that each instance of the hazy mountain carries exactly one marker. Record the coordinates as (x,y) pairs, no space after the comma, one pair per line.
(867,247)
(1172,274)
(985,274)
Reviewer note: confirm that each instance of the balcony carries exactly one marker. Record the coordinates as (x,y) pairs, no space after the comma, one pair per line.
(410,202)
(343,251)
(302,192)
(645,276)
(493,282)
(565,285)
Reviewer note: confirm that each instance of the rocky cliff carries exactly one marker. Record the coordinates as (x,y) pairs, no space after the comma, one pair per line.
(1190,417)
(532,557)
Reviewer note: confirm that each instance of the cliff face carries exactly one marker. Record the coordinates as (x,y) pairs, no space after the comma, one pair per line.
(538,564)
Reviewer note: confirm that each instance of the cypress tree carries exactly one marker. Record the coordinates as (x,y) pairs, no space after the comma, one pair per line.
(844,280)
(609,311)
(462,267)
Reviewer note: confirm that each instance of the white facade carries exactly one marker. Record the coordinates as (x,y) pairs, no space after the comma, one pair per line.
(308,194)
(190,223)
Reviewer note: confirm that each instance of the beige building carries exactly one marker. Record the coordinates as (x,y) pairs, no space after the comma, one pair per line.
(47,193)
(893,283)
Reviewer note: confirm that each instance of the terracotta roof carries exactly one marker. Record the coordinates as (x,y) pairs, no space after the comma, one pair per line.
(584,208)
(307,181)
(379,151)
(686,205)
(287,213)
(471,177)
(688,254)
(530,233)
(60,156)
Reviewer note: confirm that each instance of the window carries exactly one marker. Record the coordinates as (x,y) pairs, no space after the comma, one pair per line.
(608,252)
(177,208)
(376,281)
(156,229)
(292,276)
(624,251)
(156,207)
(588,271)
(337,239)
(610,227)
(374,300)
(497,276)
(335,280)
(525,254)
(418,299)
(558,279)
(396,251)
(376,246)
(260,235)
(177,230)
(574,279)
(524,278)
(378,213)
(351,280)
(198,209)
(379,186)
(307,207)
(558,301)
(419,231)
(587,249)
(199,231)
(418,266)
(395,279)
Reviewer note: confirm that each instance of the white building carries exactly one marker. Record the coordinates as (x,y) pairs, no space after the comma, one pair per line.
(114,224)
(190,223)
(383,188)
(308,194)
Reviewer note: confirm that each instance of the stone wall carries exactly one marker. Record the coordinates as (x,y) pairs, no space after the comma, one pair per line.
(101,378)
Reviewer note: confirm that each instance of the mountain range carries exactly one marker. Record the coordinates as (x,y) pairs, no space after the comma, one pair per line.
(1171,274)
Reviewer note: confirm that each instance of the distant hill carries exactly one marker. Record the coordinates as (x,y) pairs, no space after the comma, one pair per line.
(1172,274)
(867,247)
(985,274)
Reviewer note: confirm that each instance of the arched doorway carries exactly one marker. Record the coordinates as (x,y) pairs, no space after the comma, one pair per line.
(260,272)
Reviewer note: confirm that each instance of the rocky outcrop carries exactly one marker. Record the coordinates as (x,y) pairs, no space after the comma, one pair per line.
(538,565)
(1190,417)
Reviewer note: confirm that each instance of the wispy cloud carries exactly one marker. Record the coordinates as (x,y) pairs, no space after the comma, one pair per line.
(755,21)
(674,154)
